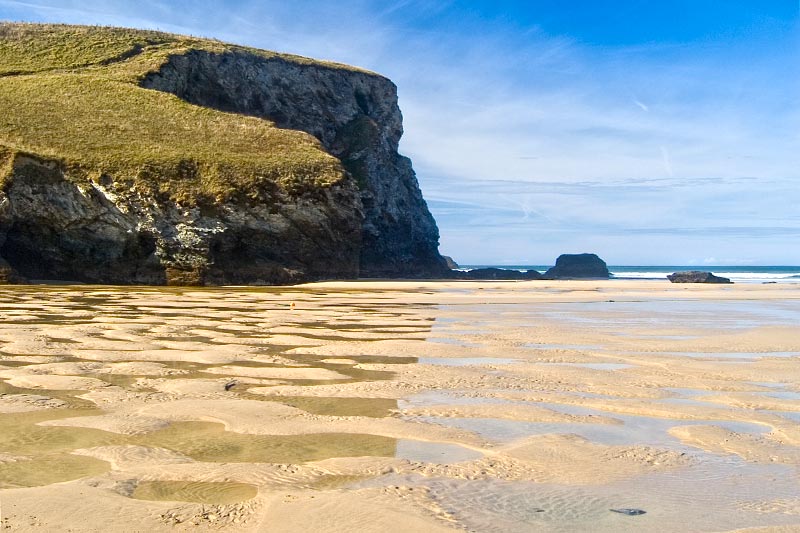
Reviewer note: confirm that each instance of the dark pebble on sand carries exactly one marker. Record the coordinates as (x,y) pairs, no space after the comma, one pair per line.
(629,512)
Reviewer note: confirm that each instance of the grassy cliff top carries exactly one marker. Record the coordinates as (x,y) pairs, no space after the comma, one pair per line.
(72,94)
(29,48)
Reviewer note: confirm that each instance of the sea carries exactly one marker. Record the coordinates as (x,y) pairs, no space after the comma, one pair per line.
(737,274)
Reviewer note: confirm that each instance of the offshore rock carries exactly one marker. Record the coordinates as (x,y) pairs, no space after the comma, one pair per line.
(496,273)
(354,115)
(450,262)
(696,276)
(577,266)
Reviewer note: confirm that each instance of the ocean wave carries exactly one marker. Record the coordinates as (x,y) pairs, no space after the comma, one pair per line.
(757,275)
(641,275)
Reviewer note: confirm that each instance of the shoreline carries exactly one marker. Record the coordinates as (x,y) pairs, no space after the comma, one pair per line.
(753,277)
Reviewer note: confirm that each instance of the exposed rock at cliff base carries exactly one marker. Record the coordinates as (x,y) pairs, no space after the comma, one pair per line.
(8,275)
(58,230)
(576,266)
(696,276)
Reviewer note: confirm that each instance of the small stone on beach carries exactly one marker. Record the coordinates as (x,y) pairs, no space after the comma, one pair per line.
(628,512)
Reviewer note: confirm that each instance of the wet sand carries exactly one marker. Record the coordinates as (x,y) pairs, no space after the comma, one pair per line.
(401,406)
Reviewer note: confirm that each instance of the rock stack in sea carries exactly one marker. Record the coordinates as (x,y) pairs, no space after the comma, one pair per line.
(696,276)
(578,266)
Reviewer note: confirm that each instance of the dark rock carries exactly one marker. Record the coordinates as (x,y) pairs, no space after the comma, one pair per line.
(493,273)
(696,276)
(532,274)
(629,512)
(577,266)
(452,265)
(496,273)
(355,116)
(8,275)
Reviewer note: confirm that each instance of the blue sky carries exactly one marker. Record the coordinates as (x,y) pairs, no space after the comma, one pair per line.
(649,132)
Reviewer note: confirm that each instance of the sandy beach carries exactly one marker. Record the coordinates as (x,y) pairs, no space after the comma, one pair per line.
(401,406)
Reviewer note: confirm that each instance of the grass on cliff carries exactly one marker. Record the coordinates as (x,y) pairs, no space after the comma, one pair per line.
(71,94)
(30,48)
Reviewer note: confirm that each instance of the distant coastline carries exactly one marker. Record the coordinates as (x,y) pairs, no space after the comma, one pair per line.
(737,274)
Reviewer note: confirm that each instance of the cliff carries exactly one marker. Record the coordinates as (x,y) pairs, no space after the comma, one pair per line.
(141,157)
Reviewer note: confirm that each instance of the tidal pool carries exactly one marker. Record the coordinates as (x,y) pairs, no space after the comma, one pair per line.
(48,469)
(42,453)
(208,441)
(335,406)
(194,491)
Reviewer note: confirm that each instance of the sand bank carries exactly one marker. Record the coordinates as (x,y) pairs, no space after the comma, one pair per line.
(401,406)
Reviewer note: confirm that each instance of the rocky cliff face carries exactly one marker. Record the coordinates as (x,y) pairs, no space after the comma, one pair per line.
(53,228)
(356,118)
(68,217)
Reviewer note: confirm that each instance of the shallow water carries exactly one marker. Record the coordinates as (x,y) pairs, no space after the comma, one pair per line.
(327,406)
(666,314)
(44,458)
(452,342)
(733,355)
(783,395)
(194,491)
(520,507)
(49,468)
(43,452)
(791,415)
(434,452)
(634,430)
(69,397)
(209,442)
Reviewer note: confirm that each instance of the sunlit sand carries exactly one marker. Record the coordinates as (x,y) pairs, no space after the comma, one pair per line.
(401,406)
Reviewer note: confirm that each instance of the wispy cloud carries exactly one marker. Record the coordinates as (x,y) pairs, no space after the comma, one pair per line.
(667,163)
